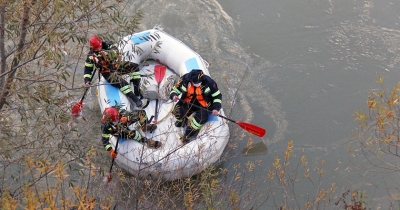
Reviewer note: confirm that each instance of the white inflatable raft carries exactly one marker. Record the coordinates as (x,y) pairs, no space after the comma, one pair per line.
(172,160)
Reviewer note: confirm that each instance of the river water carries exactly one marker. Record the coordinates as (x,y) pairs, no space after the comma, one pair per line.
(299,68)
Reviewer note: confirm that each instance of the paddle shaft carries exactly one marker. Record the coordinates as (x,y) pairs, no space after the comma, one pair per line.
(258,131)
(156,109)
(200,107)
(112,162)
(87,88)
(77,108)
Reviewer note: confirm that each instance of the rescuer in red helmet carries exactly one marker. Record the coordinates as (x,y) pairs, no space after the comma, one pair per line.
(104,55)
(116,121)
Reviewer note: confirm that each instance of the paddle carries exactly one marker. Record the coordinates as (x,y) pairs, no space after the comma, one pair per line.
(77,108)
(159,73)
(109,177)
(258,131)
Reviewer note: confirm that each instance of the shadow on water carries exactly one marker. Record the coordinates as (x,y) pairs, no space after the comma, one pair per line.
(255,149)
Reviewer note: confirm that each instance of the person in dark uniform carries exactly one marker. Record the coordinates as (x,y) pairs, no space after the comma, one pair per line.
(104,55)
(199,89)
(116,121)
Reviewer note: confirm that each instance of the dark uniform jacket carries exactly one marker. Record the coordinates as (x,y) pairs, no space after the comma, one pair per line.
(209,88)
(121,129)
(110,60)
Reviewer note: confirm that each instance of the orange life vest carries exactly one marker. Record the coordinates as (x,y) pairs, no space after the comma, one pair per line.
(191,90)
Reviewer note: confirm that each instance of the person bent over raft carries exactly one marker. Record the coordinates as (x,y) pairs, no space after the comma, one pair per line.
(116,121)
(105,56)
(200,90)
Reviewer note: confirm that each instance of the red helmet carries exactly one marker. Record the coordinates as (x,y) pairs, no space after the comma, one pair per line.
(110,114)
(95,43)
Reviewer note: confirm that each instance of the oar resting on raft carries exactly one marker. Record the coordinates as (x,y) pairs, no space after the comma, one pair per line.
(159,73)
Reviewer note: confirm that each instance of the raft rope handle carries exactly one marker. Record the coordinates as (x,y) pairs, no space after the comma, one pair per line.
(170,110)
